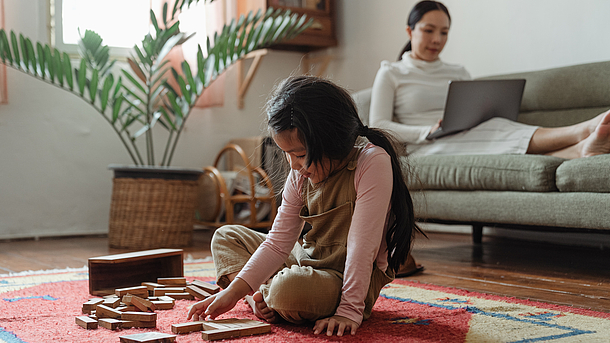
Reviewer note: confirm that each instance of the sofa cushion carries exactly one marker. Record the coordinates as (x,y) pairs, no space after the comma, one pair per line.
(591,174)
(527,173)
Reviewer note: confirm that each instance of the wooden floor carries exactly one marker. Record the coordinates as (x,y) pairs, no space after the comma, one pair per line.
(538,271)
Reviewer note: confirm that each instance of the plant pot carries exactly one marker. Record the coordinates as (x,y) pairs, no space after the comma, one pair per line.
(152,207)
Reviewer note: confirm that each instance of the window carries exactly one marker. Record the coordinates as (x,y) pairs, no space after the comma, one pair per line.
(121,23)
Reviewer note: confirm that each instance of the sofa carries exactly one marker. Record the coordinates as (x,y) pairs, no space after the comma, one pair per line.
(530,192)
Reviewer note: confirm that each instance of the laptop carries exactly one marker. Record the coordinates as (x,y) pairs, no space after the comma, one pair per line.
(469,103)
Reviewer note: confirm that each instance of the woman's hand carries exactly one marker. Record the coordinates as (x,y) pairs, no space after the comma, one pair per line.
(342,324)
(219,303)
(436,126)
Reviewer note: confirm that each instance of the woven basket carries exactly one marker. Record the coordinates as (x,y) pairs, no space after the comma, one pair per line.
(148,213)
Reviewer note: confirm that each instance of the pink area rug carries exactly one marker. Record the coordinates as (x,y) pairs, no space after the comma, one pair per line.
(42,306)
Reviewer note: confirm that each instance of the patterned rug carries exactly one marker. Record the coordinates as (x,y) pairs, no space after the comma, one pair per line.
(42,306)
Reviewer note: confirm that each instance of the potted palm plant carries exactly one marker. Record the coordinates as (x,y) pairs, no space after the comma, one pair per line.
(152,202)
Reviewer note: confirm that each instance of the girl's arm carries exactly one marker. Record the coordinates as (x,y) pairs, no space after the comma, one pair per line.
(266,259)
(366,239)
(383,97)
(280,240)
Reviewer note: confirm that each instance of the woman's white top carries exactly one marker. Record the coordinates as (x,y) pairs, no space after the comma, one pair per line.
(408,98)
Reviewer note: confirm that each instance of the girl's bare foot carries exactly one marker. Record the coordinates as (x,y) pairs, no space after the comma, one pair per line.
(260,308)
(598,142)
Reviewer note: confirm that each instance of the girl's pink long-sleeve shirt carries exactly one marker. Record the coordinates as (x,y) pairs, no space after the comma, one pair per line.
(366,238)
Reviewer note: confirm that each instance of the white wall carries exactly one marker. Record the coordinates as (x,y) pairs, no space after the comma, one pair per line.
(54,149)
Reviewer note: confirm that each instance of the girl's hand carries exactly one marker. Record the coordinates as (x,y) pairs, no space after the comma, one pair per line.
(219,303)
(342,325)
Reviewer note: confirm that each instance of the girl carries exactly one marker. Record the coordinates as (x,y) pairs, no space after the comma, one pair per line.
(346,181)
(413,90)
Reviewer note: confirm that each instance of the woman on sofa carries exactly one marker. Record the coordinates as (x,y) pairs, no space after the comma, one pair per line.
(413,90)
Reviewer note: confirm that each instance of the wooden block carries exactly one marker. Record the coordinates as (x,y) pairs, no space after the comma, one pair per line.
(163,305)
(139,316)
(127,308)
(172,281)
(152,285)
(126,324)
(206,286)
(91,305)
(106,273)
(86,322)
(197,292)
(181,296)
(166,298)
(102,311)
(141,303)
(187,327)
(112,302)
(148,337)
(162,291)
(110,323)
(141,291)
(232,327)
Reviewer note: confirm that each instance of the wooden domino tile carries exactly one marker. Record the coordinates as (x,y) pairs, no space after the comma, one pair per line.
(164,290)
(206,286)
(91,305)
(141,291)
(187,327)
(110,323)
(102,311)
(126,324)
(181,296)
(197,292)
(148,337)
(232,327)
(86,322)
(139,316)
(172,281)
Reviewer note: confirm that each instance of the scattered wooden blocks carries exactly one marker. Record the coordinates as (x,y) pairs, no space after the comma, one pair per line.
(152,285)
(140,303)
(187,327)
(102,311)
(148,337)
(113,302)
(140,291)
(229,328)
(206,286)
(110,323)
(197,292)
(172,281)
(86,322)
(91,305)
(164,290)
(139,316)
(180,296)
(163,304)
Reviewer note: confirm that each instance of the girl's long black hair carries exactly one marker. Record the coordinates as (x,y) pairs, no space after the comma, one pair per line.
(327,122)
(417,13)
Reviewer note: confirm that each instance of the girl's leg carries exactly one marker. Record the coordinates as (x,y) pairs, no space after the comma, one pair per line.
(299,294)
(555,140)
(232,246)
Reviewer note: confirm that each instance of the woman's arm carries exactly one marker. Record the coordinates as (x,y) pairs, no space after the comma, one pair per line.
(383,97)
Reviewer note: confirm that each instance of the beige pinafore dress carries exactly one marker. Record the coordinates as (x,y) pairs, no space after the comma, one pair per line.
(308,287)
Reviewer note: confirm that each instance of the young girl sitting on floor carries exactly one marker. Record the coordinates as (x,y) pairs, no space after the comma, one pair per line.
(346,181)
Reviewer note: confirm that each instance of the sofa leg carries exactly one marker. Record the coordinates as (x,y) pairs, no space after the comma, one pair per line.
(477,234)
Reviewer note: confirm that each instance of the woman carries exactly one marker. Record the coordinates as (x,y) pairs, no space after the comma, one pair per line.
(413,90)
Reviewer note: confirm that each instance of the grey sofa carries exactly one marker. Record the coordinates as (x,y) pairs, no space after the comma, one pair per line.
(530,192)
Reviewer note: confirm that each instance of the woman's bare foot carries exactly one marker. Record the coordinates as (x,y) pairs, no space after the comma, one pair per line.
(598,142)
(260,308)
